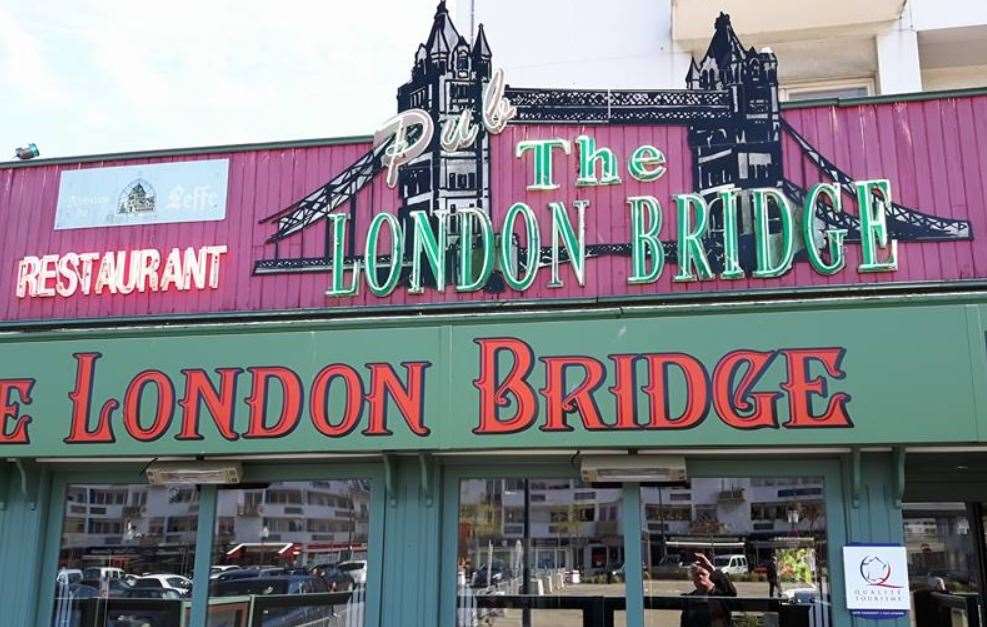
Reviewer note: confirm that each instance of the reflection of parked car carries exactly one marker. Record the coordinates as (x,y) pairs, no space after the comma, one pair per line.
(617,574)
(282,584)
(248,573)
(670,567)
(153,593)
(179,584)
(115,587)
(357,569)
(497,572)
(69,575)
(315,614)
(731,564)
(335,578)
(103,572)
(76,591)
(801,596)
(216,571)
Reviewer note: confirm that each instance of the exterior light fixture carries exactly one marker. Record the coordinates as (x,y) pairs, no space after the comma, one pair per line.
(194,473)
(27,152)
(633,468)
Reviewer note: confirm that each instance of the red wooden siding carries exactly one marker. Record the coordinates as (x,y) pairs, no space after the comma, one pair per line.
(932,151)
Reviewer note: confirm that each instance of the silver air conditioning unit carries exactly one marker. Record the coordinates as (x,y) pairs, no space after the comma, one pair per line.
(633,468)
(194,473)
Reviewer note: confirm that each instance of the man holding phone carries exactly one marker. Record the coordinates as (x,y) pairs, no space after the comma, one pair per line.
(709,582)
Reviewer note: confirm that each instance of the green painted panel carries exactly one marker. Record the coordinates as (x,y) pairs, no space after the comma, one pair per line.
(884,374)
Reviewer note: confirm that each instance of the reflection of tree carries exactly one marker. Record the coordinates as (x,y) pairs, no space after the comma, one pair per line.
(706,523)
(571,526)
(795,565)
(482,518)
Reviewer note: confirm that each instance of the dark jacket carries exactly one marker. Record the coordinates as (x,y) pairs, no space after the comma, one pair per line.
(772,571)
(711,613)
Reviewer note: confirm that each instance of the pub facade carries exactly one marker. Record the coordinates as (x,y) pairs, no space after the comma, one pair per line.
(523,356)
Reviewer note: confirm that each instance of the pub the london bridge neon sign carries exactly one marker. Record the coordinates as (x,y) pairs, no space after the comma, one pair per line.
(742,218)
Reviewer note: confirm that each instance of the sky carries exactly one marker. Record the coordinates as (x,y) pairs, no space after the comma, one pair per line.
(85,77)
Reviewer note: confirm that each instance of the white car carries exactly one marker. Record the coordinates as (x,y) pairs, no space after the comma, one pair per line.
(732,564)
(99,573)
(179,584)
(69,575)
(357,569)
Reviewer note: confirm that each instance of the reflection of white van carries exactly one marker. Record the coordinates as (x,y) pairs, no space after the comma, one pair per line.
(731,564)
(357,569)
(103,572)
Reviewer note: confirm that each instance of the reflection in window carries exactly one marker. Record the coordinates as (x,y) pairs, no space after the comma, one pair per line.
(758,538)
(291,538)
(114,546)
(552,538)
(940,546)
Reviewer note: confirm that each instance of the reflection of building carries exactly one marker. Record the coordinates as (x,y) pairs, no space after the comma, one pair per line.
(135,527)
(126,524)
(937,537)
(571,526)
(323,521)
(130,514)
(752,516)
(575,526)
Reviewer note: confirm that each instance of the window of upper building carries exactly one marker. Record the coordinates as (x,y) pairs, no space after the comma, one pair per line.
(844,88)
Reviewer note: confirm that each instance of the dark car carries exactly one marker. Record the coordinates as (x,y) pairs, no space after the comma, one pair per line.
(617,574)
(671,567)
(76,591)
(117,587)
(283,616)
(280,584)
(250,573)
(497,573)
(336,579)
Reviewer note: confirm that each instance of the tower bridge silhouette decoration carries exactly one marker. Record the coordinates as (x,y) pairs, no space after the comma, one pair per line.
(735,131)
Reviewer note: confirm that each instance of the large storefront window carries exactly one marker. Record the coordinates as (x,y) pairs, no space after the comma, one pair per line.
(125,541)
(276,542)
(556,539)
(766,537)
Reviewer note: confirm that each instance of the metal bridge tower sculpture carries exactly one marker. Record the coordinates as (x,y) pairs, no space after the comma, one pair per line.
(730,106)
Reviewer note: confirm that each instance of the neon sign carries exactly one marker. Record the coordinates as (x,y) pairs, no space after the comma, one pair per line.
(119,272)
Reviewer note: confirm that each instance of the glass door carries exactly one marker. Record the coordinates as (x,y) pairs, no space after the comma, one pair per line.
(536,551)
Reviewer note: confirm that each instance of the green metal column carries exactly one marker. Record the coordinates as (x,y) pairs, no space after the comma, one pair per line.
(412,544)
(633,580)
(873,515)
(22,541)
(203,555)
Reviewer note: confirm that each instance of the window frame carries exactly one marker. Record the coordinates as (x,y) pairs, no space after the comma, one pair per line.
(785,91)
(132,473)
